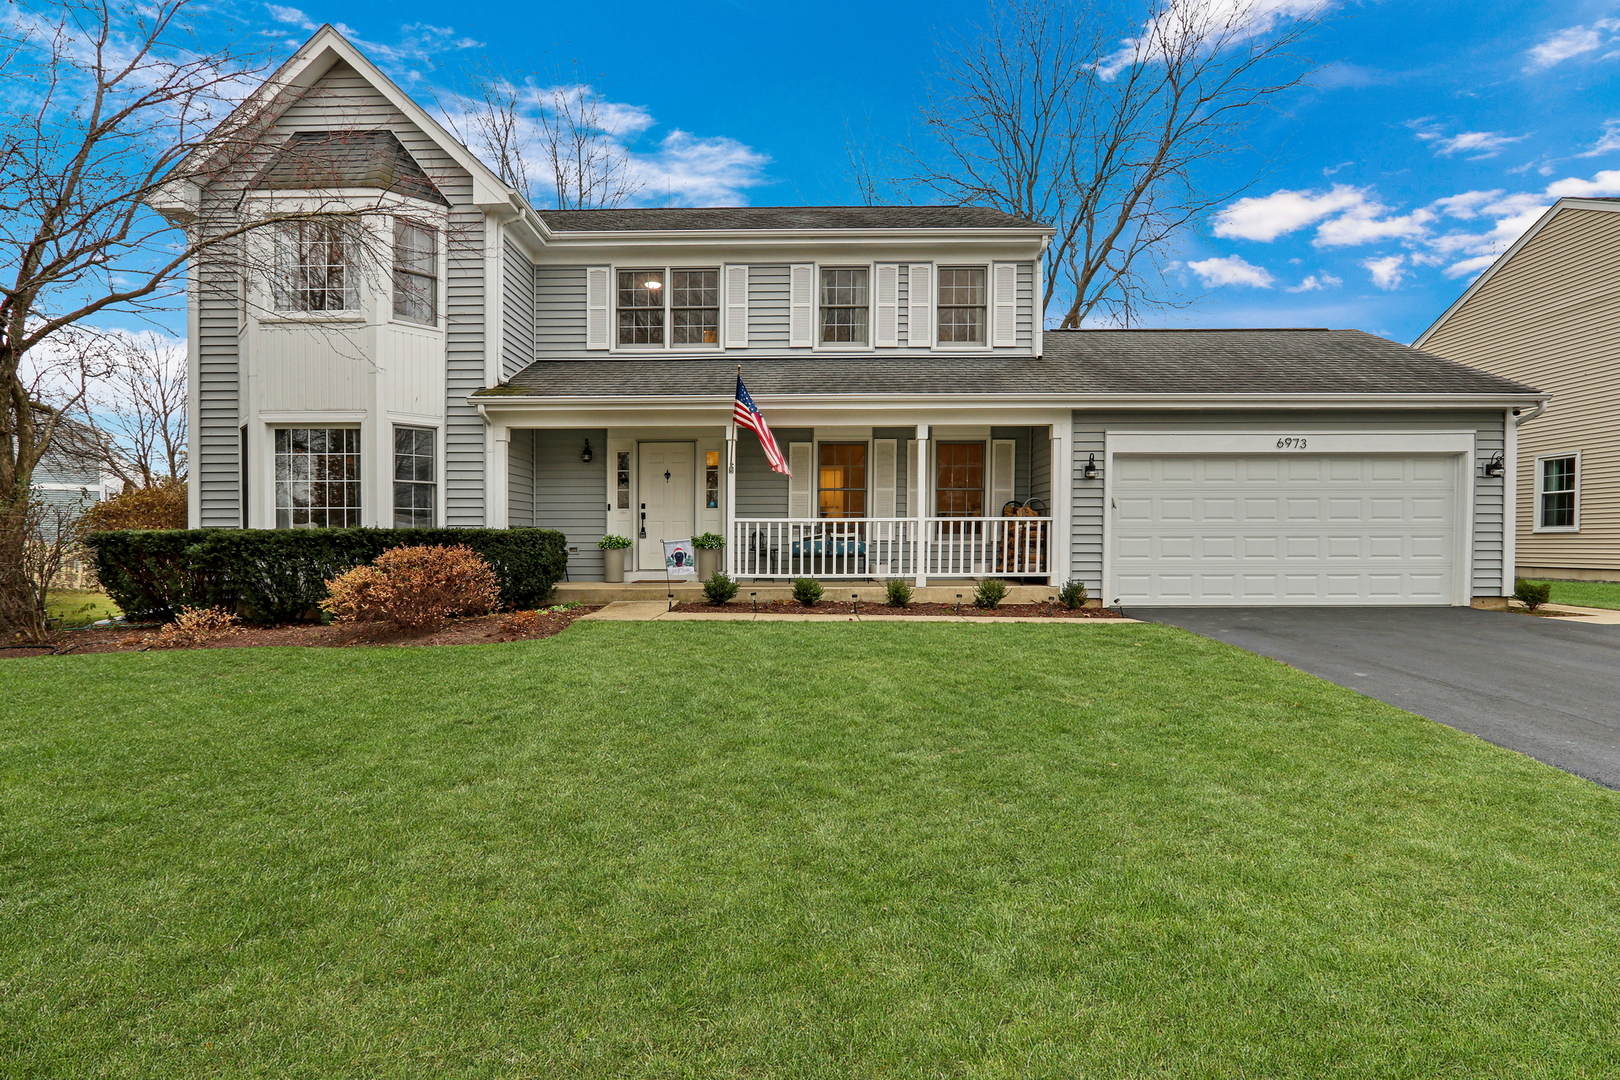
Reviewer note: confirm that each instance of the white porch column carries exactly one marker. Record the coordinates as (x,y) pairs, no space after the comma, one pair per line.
(1062,499)
(728,513)
(497,509)
(925,491)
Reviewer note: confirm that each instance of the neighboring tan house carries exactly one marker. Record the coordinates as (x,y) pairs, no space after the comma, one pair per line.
(576,370)
(1544,313)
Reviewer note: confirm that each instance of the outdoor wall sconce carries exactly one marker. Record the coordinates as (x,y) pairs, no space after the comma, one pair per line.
(585,455)
(1091,471)
(1495,466)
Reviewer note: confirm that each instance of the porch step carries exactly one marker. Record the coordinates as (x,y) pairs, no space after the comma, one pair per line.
(599,592)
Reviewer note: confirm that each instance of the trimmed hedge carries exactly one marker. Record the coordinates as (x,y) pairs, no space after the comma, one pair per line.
(279,575)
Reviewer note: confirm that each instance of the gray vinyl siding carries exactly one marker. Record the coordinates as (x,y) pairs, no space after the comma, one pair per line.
(1040,466)
(465,374)
(571,495)
(559,309)
(217,441)
(1024,442)
(1089,428)
(517,316)
(761,492)
(768,308)
(520,478)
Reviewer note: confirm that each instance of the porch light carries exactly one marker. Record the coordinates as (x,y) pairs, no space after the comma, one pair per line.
(1090,472)
(1495,466)
(585,455)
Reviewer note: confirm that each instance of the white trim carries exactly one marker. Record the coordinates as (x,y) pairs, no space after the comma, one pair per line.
(665,293)
(1535,519)
(316,417)
(1510,500)
(971,347)
(871,309)
(976,402)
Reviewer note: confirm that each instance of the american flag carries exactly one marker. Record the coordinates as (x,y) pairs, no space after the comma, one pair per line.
(746,413)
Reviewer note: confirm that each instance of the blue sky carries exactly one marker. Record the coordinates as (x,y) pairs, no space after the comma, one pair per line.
(1431,137)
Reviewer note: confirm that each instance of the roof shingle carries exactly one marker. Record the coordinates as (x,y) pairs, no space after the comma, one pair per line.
(333,159)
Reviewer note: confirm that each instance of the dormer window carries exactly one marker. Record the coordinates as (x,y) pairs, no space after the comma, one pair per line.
(315,269)
(962,305)
(845,307)
(659,306)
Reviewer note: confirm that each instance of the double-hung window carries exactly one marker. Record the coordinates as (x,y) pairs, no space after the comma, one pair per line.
(315,268)
(842,480)
(962,305)
(661,307)
(416,271)
(317,478)
(845,306)
(959,479)
(1558,493)
(414,486)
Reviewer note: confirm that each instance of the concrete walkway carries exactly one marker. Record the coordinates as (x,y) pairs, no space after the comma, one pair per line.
(649,610)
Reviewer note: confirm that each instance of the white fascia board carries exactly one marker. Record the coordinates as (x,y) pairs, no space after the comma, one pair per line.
(791,237)
(913,402)
(1502,259)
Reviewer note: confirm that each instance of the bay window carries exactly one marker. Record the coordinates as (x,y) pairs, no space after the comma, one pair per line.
(317,478)
(414,471)
(315,267)
(416,271)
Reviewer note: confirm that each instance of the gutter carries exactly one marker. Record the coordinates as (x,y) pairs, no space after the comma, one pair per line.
(483,401)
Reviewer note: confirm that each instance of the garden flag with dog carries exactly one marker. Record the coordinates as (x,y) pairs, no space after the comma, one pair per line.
(746,413)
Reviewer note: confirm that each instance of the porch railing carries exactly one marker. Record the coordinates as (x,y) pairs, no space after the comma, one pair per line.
(1015,547)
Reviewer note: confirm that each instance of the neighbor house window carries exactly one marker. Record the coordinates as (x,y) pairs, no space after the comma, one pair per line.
(416,272)
(842,480)
(961,304)
(641,307)
(1557,483)
(845,310)
(315,268)
(317,478)
(959,479)
(694,307)
(414,472)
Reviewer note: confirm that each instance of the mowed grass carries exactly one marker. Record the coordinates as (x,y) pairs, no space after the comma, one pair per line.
(784,850)
(1603,594)
(78,607)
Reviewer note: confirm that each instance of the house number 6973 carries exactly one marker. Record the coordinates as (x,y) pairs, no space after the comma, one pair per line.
(1291,444)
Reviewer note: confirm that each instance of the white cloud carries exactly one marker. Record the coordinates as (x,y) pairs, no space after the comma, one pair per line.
(1481,144)
(1569,42)
(1467,205)
(1607,143)
(1267,217)
(1315,283)
(1231,270)
(418,42)
(1606,182)
(1469,266)
(1219,22)
(1386,272)
(1366,225)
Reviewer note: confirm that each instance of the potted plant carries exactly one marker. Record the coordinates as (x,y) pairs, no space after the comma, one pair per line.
(709,546)
(613,549)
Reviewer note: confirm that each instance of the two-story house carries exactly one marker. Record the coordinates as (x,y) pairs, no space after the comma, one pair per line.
(577,370)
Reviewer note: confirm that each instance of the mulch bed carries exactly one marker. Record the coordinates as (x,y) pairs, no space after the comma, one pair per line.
(481,630)
(842,607)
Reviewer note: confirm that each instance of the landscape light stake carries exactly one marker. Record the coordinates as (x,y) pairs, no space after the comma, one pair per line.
(1051,605)
(959,603)
(854,603)
(753,598)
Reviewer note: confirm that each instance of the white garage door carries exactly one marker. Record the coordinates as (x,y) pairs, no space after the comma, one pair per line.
(1285,529)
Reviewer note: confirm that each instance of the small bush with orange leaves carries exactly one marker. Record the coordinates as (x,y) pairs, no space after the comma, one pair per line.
(196,626)
(415,588)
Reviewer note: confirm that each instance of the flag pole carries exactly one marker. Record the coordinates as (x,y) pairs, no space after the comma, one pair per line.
(729,515)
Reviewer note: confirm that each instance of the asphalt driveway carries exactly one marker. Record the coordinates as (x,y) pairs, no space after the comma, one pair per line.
(1549,688)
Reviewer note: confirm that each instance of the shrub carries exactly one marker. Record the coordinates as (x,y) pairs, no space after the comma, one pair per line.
(1532,593)
(991,591)
(1073,594)
(899,592)
(709,541)
(196,626)
(415,588)
(521,623)
(280,575)
(160,507)
(720,589)
(806,591)
(613,543)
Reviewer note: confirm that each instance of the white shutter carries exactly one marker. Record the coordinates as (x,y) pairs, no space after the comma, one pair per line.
(1003,454)
(913,475)
(799,485)
(883,478)
(736,307)
(886,334)
(920,304)
(1005,297)
(596,307)
(801,305)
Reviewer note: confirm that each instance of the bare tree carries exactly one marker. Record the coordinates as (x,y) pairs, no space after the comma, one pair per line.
(1047,112)
(140,409)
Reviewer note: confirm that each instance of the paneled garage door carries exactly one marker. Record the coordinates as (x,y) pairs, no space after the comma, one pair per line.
(1285,529)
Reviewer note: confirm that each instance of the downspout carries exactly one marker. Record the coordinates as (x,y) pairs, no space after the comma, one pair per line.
(1510,494)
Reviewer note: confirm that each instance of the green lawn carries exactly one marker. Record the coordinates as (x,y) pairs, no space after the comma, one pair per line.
(1604,594)
(784,850)
(77,607)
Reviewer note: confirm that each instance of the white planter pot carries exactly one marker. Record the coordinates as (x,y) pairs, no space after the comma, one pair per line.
(613,564)
(709,562)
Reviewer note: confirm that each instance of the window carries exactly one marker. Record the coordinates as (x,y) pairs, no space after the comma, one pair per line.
(314,269)
(416,272)
(413,478)
(621,481)
(694,307)
(641,307)
(711,479)
(959,480)
(1557,480)
(843,480)
(961,304)
(844,307)
(317,478)
(689,307)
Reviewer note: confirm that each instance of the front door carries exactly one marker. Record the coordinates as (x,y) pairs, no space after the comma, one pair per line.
(668,499)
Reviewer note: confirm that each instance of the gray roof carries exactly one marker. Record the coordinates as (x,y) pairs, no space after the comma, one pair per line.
(785,217)
(1080,363)
(363,159)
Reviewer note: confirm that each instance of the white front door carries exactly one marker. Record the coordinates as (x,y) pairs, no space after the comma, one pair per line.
(668,499)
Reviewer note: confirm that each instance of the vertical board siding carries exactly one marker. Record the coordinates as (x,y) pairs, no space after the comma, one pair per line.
(520,478)
(768,309)
(559,309)
(571,495)
(517,302)
(1086,505)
